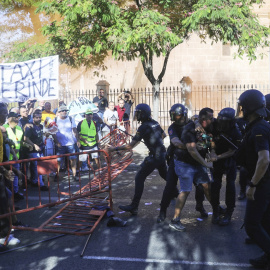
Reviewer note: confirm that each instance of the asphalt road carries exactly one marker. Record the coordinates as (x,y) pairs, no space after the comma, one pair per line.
(142,244)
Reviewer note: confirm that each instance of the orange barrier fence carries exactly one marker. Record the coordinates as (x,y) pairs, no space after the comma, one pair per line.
(85,202)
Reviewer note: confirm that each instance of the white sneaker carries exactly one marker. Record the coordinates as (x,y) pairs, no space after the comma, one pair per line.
(11,240)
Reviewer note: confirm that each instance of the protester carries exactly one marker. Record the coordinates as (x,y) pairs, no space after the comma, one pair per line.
(88,137)
(190,164)
(129,100)
(101,102)
(47,112)
(110,119)
(60,103)
(66,139)
(15,133)
(34,137)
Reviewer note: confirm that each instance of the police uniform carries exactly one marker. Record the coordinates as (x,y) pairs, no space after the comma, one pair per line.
(257,216)
(170,190)
(151,132)
(224,166)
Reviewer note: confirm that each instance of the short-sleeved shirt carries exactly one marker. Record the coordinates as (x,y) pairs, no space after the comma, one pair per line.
(65,134)
(151,132)
(175,131)
(257,139)
(189,135)
(127,106)
(24,121)
(35,135)
(111,116)
(47,114)
(102,103)
(121,112)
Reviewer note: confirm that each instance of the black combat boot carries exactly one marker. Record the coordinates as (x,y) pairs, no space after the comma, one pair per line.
(200,208)
(226,219)
(132,208)
(161,217)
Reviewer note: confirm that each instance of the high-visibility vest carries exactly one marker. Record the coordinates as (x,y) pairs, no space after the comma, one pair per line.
(15,137)
(88,134)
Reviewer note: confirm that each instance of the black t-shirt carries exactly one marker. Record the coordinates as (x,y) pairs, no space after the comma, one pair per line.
(151,132)
(257,138)
(128,104)
(175,131)
(189,135)
(102,103)
(35,135)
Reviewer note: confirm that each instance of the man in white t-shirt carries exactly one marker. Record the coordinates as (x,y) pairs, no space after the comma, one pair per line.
(66,138)
(110,118)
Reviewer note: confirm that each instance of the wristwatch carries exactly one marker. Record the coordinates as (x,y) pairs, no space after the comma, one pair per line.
(251,184)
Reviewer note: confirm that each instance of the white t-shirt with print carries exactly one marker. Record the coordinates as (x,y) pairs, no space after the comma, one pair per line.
(65,135)
(111,116)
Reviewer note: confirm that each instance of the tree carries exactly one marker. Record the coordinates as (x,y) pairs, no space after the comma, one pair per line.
(146,29)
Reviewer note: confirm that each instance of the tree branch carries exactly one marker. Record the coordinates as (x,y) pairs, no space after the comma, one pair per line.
(160,77)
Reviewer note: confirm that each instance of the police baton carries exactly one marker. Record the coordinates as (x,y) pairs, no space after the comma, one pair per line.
(230,142)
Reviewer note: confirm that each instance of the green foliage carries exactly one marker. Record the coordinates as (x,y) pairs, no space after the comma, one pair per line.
(87,31)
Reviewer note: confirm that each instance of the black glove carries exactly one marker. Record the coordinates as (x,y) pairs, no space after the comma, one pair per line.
(10,143)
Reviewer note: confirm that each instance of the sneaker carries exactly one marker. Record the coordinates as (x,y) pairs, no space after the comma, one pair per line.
(225,220)
(11,240)
(177,225)
(161,217)
(18,196)
(260,262)
(44,188)
(129,208)
(215,218)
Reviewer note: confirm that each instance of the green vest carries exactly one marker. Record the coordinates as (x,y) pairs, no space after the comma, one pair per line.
(88,134)
(16,138)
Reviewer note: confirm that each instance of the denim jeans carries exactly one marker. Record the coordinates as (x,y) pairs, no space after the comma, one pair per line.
(16,179)
(33,168)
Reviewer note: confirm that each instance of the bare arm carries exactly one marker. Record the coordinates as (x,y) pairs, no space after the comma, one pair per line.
(191,147)
(227,154)
(177,143)
(261,167)
(36,147)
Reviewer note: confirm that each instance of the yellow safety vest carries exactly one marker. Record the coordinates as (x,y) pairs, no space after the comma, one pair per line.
(15,137)
(88,134)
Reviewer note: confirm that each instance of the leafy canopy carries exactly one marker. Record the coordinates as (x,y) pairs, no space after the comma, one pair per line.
(87,31)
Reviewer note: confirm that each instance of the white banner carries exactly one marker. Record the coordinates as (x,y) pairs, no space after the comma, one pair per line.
(36,78)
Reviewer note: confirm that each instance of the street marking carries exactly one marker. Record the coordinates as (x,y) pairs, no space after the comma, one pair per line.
(165,261)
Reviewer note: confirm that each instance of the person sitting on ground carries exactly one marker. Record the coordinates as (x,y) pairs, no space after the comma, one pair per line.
(34,137)
(66,139)
(88,137)
(110,119)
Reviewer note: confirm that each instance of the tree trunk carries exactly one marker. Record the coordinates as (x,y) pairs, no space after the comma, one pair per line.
(156,95)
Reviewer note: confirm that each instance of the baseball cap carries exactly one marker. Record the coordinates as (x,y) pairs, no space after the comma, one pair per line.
(63,108)
(13,114)
(88,111)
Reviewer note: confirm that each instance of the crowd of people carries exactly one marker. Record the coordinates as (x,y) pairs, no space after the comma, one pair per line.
(201,151)
(33,131)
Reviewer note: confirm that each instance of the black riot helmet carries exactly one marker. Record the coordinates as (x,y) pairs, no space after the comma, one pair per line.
(252,101)
(178,109)
(142,112)
(226,119)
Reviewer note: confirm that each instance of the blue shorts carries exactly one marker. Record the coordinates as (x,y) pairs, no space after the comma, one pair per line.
(189,174)
(69,149)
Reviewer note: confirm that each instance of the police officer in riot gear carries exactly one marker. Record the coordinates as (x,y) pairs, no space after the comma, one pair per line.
(153,135)
(178,114)
(254,154)
(226,136)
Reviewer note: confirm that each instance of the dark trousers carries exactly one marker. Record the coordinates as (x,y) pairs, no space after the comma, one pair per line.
(147,167)
(170,190)
(199,195)
(243,179)
(228,168)
(4,222)
(257,217)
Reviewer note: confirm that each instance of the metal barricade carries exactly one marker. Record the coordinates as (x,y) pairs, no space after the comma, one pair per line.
(84,202)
